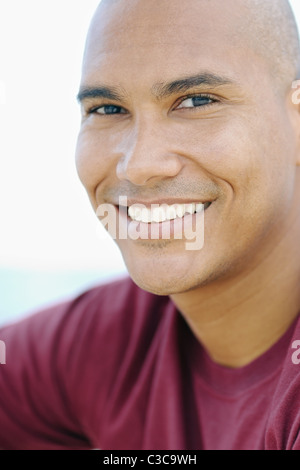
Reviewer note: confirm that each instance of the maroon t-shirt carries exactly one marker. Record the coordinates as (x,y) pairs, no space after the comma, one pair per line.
(118,368)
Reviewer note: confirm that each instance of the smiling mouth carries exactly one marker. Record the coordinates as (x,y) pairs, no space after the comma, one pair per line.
(159,213)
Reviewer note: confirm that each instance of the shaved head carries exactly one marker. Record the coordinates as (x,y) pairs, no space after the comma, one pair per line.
(268,26)
(272,30)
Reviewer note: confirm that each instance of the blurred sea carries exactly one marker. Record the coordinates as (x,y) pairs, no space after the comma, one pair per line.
(23,292)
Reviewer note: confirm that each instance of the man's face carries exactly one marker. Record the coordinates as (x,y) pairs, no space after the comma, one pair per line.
(182,113)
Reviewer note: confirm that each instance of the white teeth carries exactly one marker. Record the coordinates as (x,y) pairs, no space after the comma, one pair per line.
(158,215)
(163,212)
(190,208)
(145,215)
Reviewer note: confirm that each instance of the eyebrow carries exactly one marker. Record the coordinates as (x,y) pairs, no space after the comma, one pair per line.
(159,90)
(106,92)
(208,80)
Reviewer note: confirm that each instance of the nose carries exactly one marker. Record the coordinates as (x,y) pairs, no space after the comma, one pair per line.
(147,153)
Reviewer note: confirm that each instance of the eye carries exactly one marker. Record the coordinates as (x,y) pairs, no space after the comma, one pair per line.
(197,102)
(108,110)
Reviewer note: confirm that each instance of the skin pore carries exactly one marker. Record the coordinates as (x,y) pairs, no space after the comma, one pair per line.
(183,104)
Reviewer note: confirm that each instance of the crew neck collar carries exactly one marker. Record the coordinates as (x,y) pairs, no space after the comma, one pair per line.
(232,382)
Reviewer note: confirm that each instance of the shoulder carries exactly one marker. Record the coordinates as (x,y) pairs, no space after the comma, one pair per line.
(95,323)
(65,363)
(117,303)
(98,308)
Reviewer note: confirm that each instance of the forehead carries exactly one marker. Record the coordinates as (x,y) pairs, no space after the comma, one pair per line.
(143,40)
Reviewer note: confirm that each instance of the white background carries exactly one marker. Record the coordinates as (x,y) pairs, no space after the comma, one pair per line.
(46,220)
(46,224)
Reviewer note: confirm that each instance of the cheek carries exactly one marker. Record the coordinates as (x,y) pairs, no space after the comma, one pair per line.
(254,169)
(93,160)
(225,149)
(244,155)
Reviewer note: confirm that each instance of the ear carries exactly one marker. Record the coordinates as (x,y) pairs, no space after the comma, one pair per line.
(294,105)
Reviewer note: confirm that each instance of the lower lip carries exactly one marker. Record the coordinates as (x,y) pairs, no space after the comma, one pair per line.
(178,229)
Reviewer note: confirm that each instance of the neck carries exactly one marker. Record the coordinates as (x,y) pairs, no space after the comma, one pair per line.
(239,319)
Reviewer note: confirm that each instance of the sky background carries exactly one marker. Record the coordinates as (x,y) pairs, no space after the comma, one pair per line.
(47,226)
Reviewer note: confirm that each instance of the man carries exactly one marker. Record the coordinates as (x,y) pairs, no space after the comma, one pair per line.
(187,106)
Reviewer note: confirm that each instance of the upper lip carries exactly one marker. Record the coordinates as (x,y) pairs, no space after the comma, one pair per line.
(169,202)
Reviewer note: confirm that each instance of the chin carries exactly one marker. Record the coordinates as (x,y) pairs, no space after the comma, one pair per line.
(161,287)
(166,282)
(161,272)
(169,269)
(178,275)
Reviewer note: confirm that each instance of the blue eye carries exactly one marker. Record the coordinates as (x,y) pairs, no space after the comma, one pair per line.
(196,102)
(108,110)
(201,100)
